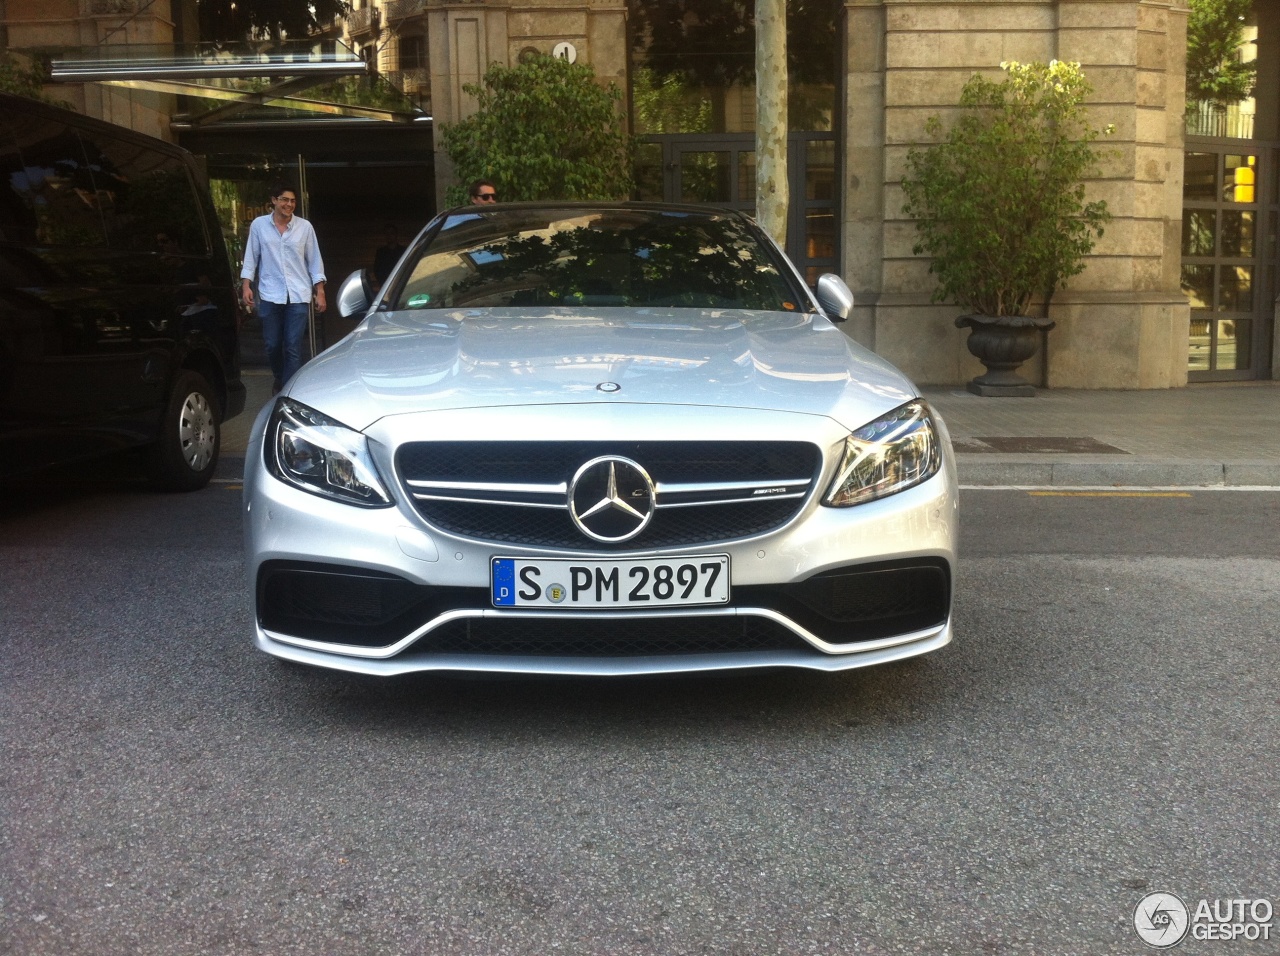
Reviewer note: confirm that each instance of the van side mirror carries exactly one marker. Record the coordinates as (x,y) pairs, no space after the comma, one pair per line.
(355,294)
(834,297)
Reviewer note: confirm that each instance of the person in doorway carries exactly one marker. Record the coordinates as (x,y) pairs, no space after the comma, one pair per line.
(482,192)
(283,255)
(387,255)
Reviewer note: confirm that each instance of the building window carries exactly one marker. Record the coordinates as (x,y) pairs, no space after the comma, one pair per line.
(413,53)
(693,65)
(1220,89)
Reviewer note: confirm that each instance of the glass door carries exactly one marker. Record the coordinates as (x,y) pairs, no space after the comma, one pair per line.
(1229,258)
(720,169)
(710,168)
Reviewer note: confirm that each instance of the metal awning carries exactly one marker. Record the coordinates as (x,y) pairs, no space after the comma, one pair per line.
(261,79)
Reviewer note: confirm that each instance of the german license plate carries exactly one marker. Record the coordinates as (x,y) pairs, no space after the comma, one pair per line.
(631,583)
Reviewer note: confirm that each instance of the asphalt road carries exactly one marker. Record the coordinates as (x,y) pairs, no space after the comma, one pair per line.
(1103,726)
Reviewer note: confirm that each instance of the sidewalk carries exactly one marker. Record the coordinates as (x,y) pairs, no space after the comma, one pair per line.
(1199,436)
(1209,435)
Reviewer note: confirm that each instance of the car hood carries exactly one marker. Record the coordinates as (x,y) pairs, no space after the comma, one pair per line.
(414,361)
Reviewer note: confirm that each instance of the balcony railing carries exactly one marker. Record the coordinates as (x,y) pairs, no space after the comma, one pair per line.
(403,9)
(361,21)
(409,81)
(414,84)
(1209,119)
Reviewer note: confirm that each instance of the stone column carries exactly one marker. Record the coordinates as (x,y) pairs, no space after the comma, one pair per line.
(131,22)
(462,39)
(1124,322)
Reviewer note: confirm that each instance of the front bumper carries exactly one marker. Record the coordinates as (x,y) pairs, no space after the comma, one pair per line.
(378,591)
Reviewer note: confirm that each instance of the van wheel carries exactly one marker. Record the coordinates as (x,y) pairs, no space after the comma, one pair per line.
(187,453)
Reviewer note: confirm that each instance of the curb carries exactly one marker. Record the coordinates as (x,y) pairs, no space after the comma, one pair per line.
(229,468)
(1102,471)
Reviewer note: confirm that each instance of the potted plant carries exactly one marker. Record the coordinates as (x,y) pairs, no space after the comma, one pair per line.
(1000,207)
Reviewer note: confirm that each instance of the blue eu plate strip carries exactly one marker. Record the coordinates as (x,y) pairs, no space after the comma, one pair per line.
(504,582)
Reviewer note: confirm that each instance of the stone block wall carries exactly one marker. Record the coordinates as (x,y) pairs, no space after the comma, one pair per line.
(1123,322)
(56,24)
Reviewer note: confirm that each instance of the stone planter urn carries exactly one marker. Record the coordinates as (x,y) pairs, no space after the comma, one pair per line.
(1002,343)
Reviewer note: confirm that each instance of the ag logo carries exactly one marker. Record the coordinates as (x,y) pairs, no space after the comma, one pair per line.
(611,499)
(1161,919)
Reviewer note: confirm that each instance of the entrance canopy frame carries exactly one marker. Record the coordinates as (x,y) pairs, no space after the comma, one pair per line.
(228,74)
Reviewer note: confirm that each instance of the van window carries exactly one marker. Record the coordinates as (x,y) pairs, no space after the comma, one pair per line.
(17,221)
(53,183)
(142,192)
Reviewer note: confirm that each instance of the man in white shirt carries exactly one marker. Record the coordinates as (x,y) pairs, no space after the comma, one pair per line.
(284,256)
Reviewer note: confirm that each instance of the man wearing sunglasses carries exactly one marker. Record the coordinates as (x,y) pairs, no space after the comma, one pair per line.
(482,192)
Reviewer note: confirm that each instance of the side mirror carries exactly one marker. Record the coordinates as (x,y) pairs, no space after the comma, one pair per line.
(834,297)
(354,295)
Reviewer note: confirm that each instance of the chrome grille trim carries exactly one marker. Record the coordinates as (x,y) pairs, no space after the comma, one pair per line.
(704,493)
(491,501)
(688,487)
(708,502)
(494,486)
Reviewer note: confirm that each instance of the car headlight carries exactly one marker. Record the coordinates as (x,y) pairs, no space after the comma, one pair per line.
(893,453)
(317,454)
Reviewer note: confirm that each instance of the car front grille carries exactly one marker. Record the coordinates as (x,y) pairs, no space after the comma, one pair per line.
(517,492)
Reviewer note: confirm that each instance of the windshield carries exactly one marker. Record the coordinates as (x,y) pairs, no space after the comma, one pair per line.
(596,257)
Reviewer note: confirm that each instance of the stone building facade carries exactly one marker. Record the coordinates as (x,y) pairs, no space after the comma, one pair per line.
(1167,296)
(1123,323)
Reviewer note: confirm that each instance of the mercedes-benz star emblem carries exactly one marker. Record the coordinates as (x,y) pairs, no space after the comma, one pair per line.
(609,387)
(611,499)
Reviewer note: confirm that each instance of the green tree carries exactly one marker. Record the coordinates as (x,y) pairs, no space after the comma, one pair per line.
(231,20)
(1215,72)
(545,129)
(1000,202)
(25,79)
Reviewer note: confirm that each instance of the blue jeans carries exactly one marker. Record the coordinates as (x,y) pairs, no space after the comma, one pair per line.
(283,327)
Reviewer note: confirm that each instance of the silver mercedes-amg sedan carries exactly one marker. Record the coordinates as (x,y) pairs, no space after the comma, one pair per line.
(598,440)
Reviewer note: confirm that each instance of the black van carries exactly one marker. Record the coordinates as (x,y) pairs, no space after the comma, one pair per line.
(117,299)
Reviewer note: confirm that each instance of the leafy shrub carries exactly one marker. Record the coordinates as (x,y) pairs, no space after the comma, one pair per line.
(545,129)
(1000,202)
